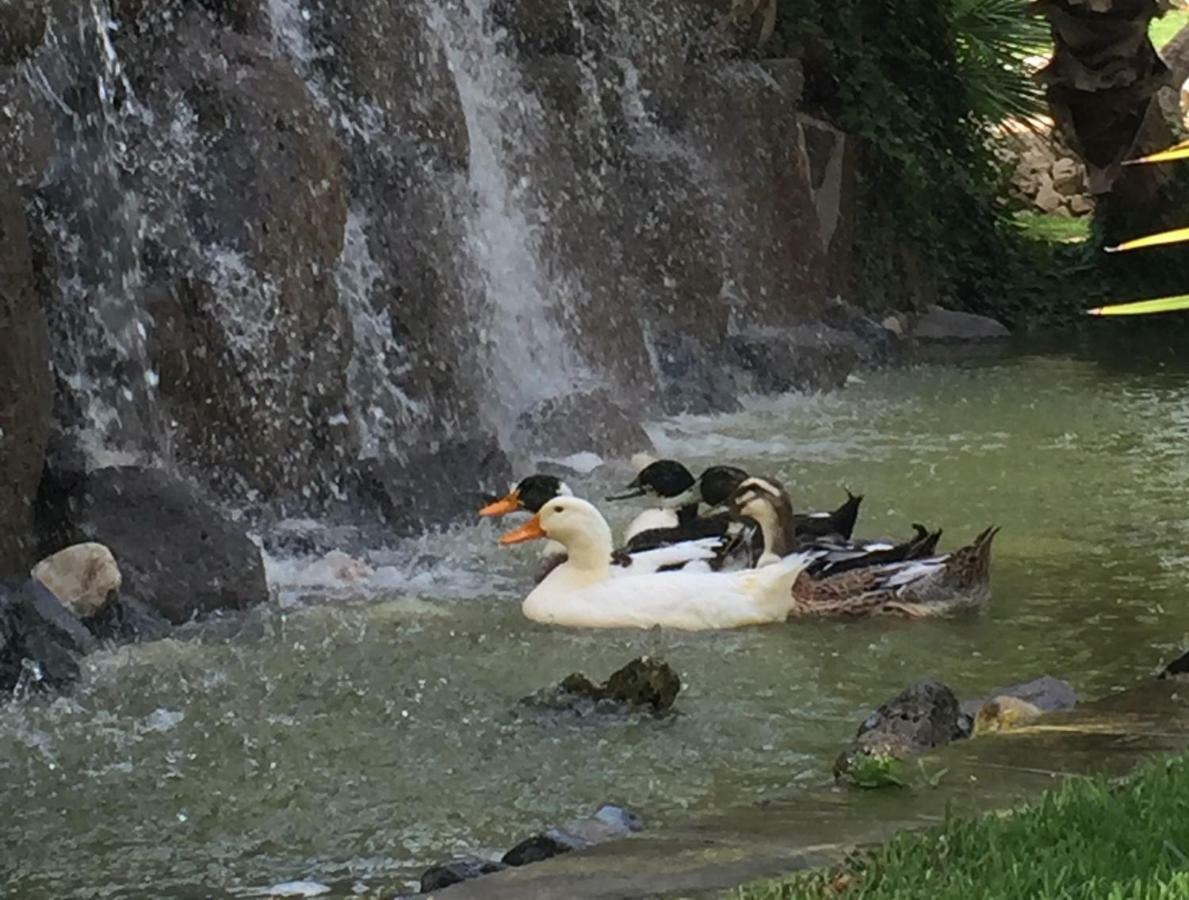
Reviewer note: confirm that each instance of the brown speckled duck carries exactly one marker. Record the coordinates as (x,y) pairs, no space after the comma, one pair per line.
(913,587)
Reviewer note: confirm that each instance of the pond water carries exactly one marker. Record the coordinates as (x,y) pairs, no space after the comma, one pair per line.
(355,741)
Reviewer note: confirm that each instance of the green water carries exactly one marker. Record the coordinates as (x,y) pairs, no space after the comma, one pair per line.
(354,742)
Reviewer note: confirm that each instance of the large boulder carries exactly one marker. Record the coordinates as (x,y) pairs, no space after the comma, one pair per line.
(40,640)
(179,555)
(777,360)
(26,396)
(85,577)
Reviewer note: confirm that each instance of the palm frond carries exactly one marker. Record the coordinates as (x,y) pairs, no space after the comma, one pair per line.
(1143,307)
(1175,152)
(1176,236)
(992,39)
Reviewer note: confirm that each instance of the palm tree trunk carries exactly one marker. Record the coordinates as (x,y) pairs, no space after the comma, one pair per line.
(1102,86)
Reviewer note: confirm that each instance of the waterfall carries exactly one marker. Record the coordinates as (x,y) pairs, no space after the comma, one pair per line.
(96,242)
(521,303)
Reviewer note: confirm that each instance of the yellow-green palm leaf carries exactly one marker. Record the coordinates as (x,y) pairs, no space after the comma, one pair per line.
(1176,236)
(1143,307)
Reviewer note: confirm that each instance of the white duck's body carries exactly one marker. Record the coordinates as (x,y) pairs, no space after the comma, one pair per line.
(584,593)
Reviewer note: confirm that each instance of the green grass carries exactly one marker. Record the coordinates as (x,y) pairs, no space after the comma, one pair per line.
(1165,28)
(1092,839)
(1045,227)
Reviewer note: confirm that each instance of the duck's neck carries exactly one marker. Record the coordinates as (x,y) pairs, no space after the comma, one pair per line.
(590,552)
(778,527)
(687,515)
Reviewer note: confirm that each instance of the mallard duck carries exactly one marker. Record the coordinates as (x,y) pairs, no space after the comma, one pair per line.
(533,492)
(582,593)
(916,588)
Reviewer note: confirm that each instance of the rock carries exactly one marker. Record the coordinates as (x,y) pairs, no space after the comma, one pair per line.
(1047,199)
(1178,668)
(26,396)
(435,483)
(939,324)
(28,128)
(84,577)
(38,634)
(1047,693)
(642,686)
(22,29)
(458,870)
(893,325)
(608,823)
(923,716)
(179,555)
(1068,177)
(689,384)
(583,422)
(1003,714)
(537,848)
(128,621)
(790,359)
(1080,205)
(539,26)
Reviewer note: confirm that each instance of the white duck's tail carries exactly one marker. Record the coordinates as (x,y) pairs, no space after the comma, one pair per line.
(773,584)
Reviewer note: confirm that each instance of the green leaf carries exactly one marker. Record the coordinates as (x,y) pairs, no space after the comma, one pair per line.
(1143,307)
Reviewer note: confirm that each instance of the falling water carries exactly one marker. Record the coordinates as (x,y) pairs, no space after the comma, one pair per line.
(97,239)
(527,352)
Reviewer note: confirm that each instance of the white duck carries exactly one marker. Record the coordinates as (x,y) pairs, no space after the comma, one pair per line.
(582,592)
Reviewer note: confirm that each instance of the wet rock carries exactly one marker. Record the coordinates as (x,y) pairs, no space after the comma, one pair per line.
(642,686)
(939,324)
(128,621)
(539,26)
(1046,693)
(582,422)
(1004,713)
(26,395)
(39,636)
(178,553)
(920,718)
(84,577)
(248,340)
(689,382)
(436,483)
(608,823)
(458,870)
(537,848)
(28,129)
(804,358)
(1178,668)
(22,29)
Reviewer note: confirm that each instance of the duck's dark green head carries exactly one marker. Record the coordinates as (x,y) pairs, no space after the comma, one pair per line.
(529,495)
(664,479)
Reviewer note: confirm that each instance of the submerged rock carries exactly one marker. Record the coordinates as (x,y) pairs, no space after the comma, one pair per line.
(1178,668)
(939,324)
(84,577)
(1004,713)
(128,621)
(922,717)
(179,554)
(642,686)
(40,635)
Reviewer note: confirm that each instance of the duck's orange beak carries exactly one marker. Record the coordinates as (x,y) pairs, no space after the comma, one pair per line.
(529,531)
(509,504)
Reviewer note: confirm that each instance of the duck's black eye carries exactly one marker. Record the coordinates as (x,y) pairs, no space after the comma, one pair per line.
(558,509)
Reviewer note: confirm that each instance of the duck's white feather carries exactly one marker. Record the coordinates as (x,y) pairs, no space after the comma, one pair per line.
(648,520)
(683,600)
